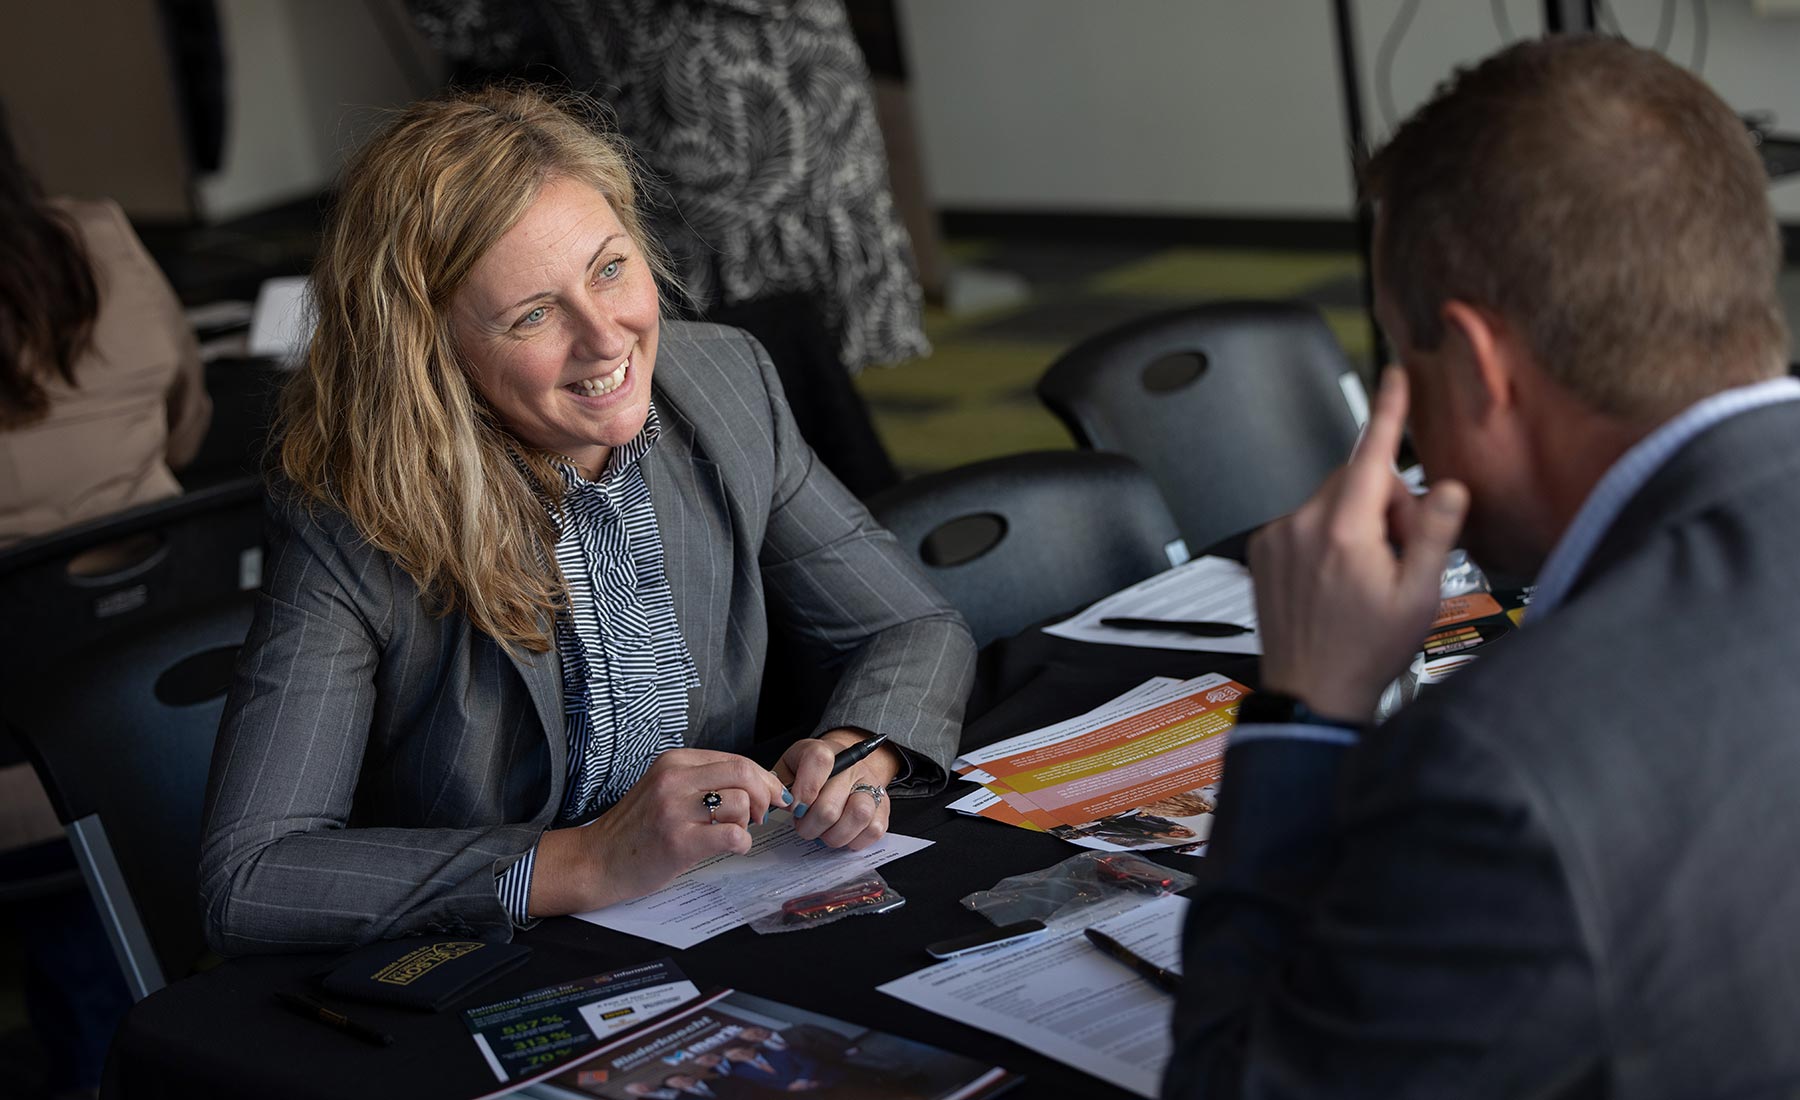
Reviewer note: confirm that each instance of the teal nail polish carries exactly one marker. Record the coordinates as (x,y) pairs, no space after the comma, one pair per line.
(787,797)
(799,811)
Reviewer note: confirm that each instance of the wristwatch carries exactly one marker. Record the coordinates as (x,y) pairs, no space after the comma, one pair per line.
(1277,707)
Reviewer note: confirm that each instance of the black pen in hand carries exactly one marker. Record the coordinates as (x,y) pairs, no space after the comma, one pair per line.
(844,759)
(313,1010)
(851,755)
(1161,977)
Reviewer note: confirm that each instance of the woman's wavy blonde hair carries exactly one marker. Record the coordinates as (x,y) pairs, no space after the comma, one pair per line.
(383,423)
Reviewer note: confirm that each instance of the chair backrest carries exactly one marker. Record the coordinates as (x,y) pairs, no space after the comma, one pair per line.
(1237,409)
(122,736)
(1014,540)
(65,591)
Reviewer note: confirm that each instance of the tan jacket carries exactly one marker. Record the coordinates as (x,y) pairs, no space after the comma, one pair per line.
(140,406)
(109,442)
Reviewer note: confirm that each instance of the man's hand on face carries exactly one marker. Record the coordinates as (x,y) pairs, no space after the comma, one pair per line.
(1341,614)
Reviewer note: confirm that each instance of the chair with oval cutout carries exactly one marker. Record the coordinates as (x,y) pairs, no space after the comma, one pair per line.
(62,591)
(122,739)
(1238,410)
(67,597)
(1014,540)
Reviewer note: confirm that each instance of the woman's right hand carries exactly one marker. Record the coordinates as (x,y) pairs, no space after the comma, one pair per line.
(658,830)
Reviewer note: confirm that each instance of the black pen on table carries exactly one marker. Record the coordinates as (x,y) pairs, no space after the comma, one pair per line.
(1162,978)
(851,755)
(1199,628)
(313,1010)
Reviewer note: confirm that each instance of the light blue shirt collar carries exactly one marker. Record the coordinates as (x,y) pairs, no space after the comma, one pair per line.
(1626,476)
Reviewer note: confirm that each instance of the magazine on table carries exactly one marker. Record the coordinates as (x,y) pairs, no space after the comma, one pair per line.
(735,1046)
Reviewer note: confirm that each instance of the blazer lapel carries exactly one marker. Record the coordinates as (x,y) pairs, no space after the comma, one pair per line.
(688,494)
(542,673)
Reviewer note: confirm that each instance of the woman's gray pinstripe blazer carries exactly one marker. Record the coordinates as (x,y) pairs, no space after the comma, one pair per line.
(378,765)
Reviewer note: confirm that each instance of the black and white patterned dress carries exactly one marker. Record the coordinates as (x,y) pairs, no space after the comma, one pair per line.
(758,116)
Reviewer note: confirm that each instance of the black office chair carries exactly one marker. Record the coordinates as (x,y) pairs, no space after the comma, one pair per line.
(122,739)
(64,595)
(66,590)
(1014,540)
(1236,409)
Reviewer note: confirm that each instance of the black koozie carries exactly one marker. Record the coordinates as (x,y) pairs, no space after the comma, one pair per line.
(421,972)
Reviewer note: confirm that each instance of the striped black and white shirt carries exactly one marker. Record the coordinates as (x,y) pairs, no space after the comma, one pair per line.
(625,666)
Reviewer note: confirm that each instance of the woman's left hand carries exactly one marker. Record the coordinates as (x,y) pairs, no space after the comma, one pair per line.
(826,806)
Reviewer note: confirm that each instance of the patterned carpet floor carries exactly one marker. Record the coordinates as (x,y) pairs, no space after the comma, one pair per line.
(972,397)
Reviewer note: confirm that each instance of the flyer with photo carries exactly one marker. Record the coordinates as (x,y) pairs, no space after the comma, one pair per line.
(735,1046)
(533,1032)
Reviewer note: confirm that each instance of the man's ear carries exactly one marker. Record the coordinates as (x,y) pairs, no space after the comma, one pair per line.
(1488,353)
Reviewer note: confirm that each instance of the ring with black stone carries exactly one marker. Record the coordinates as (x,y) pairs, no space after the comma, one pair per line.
(712,800)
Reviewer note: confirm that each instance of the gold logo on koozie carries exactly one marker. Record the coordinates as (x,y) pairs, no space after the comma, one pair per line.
(417,963)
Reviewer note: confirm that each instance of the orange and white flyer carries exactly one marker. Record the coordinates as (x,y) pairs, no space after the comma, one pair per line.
(1140,772)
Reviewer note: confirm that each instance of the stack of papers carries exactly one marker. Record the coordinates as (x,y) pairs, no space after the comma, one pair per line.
(1141,771)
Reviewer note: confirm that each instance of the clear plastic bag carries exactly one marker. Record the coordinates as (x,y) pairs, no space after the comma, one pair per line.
(1075,883)
(1461,576)
(868,893)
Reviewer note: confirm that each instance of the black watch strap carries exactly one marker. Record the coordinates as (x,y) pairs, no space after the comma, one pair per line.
(1276,707)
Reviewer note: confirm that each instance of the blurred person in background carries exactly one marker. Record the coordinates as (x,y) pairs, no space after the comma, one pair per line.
(101,395)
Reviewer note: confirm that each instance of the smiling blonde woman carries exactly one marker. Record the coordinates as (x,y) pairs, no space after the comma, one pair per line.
(527,536)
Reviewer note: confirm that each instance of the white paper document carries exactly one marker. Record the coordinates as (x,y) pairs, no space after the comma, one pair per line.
(721,893)
(281,322)
(1060,996)
(974,803)
(1209,589)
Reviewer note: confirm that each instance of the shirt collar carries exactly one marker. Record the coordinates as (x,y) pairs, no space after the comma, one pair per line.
(1626,476)
(620,459)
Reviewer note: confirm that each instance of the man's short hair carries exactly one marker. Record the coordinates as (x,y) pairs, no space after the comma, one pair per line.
(1606,204)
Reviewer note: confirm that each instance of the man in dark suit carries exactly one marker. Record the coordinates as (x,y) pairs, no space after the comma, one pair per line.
(779,1070)
(1568,872)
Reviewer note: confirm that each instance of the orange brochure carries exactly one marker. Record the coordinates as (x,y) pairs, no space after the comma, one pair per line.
(1460,609)
(1147,778)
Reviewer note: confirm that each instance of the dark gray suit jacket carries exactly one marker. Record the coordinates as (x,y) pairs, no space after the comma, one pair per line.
(1570,871)
(377,765)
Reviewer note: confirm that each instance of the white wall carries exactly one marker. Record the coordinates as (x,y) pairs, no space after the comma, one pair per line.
(1167,106)
(1752,60)
(1207,107)
(1222,107)
(306,79)
(90,98)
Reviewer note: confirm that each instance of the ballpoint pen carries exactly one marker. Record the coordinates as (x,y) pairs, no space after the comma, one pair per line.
(313,1010)
(1164,979)
(851,755)
(1199,628)
(843,759)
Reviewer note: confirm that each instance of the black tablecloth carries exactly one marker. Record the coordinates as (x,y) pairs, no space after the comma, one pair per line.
(221,1033)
